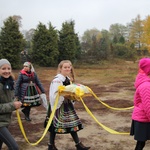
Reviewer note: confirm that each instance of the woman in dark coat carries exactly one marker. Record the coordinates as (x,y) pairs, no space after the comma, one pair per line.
(28,88)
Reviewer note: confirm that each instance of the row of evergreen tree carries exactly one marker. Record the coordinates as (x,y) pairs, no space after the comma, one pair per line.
(47,47)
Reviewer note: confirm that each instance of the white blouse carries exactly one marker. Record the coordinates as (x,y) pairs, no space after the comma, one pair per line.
(53,90)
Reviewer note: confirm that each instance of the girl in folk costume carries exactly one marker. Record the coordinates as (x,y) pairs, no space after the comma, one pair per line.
(28,88)
(65,120)
(7,104)
(140,127)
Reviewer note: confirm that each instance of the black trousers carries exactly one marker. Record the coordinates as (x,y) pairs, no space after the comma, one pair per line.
(6,137)
(27,110)
(140,145)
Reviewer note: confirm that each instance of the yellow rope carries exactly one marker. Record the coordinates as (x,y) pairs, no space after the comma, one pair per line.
(86,108)
(104,127)
(114,108)
(46,129)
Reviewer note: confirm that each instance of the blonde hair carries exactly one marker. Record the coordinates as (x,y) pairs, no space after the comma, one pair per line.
(12,75)
(60,65)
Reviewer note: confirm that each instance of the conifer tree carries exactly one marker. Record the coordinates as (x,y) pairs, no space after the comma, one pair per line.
(45,46)
(69,47)
(53,50)
(78,47)
(11,42)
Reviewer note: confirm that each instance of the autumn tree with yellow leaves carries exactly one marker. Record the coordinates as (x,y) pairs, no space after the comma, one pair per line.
(146,33)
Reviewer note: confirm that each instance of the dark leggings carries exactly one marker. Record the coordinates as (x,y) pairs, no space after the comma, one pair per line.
(6,137)
(27,110)
(73,134)
(140,145)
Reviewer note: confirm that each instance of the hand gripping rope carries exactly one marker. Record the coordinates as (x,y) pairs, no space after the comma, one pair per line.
(46,129)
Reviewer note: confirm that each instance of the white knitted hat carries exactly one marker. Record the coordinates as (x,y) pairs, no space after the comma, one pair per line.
(4,61)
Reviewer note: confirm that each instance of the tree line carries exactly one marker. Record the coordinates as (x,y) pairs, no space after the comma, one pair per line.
(46,46)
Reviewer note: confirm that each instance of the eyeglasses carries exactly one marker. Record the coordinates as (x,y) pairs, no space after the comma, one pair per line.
(25,66)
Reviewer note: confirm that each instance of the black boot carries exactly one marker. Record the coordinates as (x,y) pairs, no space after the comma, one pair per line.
(52,147)
(80,146)
(26,113)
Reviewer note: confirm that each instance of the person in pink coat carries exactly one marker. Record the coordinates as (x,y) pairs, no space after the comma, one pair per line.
(140,127)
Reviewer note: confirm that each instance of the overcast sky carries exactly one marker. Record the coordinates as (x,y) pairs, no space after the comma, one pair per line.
(87,14)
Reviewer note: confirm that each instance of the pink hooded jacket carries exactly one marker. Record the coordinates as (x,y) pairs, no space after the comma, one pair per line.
(141,111)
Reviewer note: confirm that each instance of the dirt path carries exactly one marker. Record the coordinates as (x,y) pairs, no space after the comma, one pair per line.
(92,135)
(118,94)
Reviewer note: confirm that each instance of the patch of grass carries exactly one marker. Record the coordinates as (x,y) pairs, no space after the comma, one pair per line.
(103,72)
(107,72)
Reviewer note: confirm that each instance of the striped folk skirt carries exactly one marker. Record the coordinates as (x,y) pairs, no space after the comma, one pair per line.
(66,120)
(31,96)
